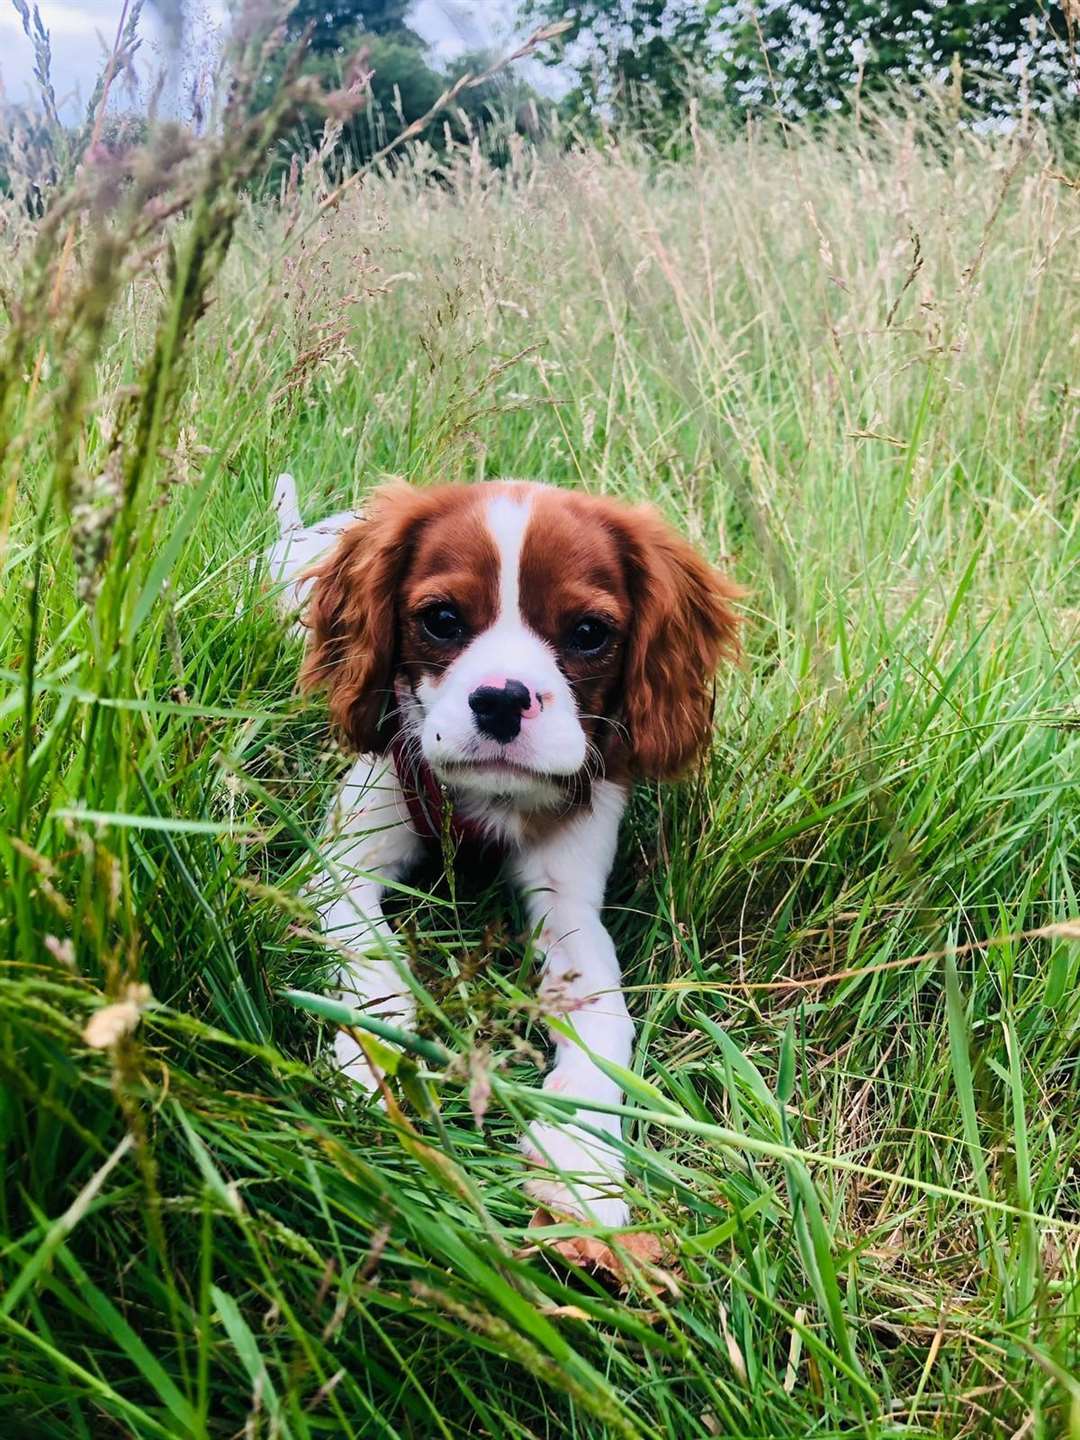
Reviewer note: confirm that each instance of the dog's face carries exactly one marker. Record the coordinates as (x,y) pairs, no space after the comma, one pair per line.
(522,637)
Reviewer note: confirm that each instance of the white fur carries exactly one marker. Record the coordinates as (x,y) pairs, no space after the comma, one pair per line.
(563,881)
(370,844)
(507,519)
(551,744)
(297,548)
(286,504)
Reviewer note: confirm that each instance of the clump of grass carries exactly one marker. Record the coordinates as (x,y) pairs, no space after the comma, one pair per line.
(843,361)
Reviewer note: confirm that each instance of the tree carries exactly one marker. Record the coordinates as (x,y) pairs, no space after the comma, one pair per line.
(632,58)
(402,88)
(333,20)
(813,55)
(816,54)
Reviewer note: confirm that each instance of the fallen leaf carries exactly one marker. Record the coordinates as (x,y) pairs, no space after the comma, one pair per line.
(735,1355)
(794,1351)
(644,1251)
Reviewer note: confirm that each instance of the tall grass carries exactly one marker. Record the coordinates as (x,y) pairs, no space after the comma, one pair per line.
(845,363)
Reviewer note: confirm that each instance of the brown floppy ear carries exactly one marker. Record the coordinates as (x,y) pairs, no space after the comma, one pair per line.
(684,625)
(352,617)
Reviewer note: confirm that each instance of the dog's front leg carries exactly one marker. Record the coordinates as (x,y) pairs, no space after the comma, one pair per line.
(370,843)
(563,879)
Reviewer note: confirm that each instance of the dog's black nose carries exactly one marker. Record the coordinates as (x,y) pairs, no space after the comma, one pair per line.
(498,711)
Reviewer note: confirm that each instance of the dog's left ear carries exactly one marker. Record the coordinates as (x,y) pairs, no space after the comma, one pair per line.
(684,625)
(352,616)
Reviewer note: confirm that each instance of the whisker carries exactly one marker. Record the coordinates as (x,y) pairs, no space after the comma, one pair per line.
(616,725)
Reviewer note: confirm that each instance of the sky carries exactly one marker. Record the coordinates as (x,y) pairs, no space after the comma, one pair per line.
(82,32)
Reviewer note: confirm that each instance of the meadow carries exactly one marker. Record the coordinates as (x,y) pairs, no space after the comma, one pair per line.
(845,363)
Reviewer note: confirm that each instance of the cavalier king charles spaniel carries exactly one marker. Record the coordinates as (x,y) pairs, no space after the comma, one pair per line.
(505,658)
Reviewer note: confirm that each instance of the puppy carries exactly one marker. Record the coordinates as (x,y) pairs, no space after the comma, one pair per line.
(506,659)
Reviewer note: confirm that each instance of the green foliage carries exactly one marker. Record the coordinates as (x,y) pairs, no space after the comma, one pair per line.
(640,60)
(398,90)
(820,53)
(842,360)
(330,23)
(345,41)
(402,89)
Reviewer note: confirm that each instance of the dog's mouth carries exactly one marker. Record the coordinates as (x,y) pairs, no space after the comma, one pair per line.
(495,778)
(459,769)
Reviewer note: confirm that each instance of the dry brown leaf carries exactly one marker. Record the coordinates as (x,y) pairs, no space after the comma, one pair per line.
(735,1355)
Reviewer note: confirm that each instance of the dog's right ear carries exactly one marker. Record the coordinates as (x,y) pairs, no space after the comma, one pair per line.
(352,617)
(685,624)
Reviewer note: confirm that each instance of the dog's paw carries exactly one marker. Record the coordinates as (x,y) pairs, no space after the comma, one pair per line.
(577,1176)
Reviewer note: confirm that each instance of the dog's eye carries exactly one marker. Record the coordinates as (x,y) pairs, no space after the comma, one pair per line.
(442,623)
(589,636)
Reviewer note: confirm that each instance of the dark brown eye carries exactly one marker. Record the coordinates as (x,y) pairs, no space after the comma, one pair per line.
(443,623)
(589,636)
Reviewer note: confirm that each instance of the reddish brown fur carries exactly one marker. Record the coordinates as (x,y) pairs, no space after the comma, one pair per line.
(453,560)
(572,565)
(410,548)
(684,625)
(646,700)
(672,615)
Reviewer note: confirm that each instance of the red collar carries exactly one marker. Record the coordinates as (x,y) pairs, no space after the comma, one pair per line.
(430,808)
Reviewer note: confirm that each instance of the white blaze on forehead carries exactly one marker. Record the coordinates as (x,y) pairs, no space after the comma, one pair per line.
(550,745)
(507,520)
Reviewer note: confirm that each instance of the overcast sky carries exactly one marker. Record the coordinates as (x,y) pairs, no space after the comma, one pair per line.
(82,32)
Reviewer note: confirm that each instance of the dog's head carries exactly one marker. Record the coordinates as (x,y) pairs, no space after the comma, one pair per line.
(520,636)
